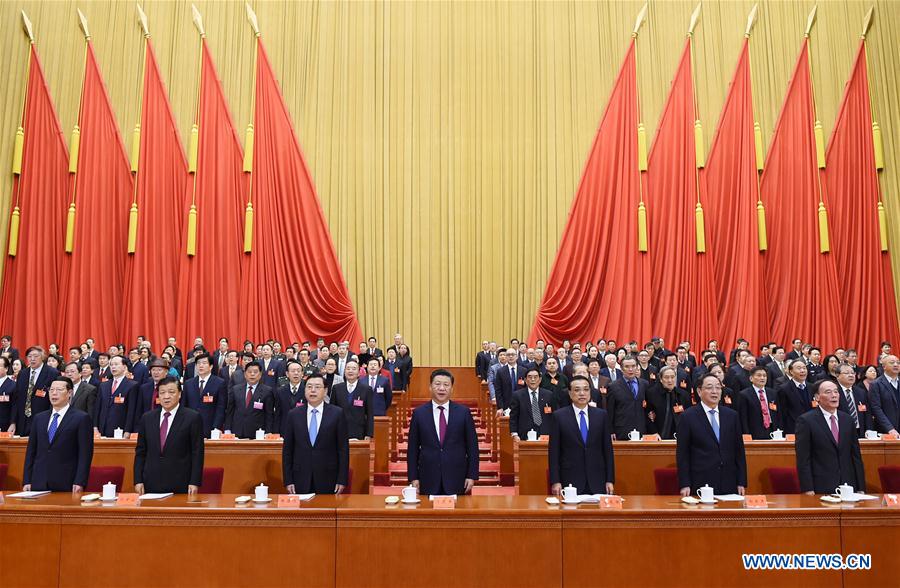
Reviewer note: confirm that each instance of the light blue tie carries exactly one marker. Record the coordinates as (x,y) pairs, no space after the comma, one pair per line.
(584,428)
(51,432)
(313,427)
(714,422)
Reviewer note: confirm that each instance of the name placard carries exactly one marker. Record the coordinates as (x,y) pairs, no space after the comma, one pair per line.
(890,501)
(127,499)
(790,437)
(611,502)
(288,501)
(653,437)
(747,438)
(756,501)
(5,435)
(272,437)
(228,436)
(443,502)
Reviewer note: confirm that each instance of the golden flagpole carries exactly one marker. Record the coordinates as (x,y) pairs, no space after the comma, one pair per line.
(877,144)
(248,143)
(761,233)
(643,241)
(19,147)
(699,151)
(76,142)
(136,138)
(819,133)
(194,145)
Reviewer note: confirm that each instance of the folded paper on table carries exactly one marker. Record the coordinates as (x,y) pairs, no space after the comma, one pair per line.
(31,494)
(155,495)
(730,497)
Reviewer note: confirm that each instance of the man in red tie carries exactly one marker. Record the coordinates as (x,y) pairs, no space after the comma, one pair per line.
(168,456)
(250,406)
(827,447)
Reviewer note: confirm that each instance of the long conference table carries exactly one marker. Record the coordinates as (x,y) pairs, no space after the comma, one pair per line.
(358,540)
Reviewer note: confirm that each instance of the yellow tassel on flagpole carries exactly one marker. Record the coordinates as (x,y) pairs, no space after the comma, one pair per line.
(248,149)
(642,147)
(699,150)
(73,150)
(701,229)
(642,228)
(820,145)
(132,228)
(760,151)
(824,243)
(17,151)
(882,226)
(761,226)
(70,229)
(193,147)
(192,231)
(879,146)
(248,228)
(135,148)
(14,232)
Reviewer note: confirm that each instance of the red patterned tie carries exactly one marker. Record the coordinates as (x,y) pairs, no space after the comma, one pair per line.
(442,423)
(164,431)
(767,419)
(834,429)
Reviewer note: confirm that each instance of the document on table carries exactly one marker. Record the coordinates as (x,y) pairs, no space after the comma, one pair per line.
(32,494)
(305,497)
(155,495)
(729,497)
(858,496)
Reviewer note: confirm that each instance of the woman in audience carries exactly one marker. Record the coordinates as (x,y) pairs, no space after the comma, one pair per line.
(16,368)
(331,375)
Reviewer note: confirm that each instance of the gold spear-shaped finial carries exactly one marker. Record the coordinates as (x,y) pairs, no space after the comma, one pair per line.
(695,17)
(641,17)
(142,18)
(198,20)
(811,20)
(29,30)
(751,20)
(83,22)
(251,16)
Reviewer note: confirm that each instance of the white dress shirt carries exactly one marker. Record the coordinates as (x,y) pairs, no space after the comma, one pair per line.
(319,410)
(706,410)
(587,416)
(436,413)
(62,413)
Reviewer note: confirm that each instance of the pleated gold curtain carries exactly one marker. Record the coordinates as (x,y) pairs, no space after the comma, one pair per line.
(446,139)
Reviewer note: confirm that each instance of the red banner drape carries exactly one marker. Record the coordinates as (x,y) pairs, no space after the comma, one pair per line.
(31,294)
(210,284)
(801,282)
(730,186)
(151,284)
(303,295)
(600,282)
(93,274)
(683,302)
(867,287)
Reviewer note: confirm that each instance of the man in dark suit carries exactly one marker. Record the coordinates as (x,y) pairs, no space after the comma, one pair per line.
(140,373)
(827,446)
(60,445)
(796,350)
(315,456)
(580,451)
(508,379)
(84,395)
(531,407)
(777,368)
(372,349)
(207,394)
(853,399)
(218,359)
(7,349)
(610,371)
(738,376)
(626,402)
(232,372)
(355,399)
(103,372)
(442,454)
(483,361)
(31,389)
(289,396)
(89,373)
(884,397)
(272,369)
(794,394)
(710,446)
(149,396)
(117,402)
(250,406)
(758,408)
(380,385)
(7,396)
(168,456)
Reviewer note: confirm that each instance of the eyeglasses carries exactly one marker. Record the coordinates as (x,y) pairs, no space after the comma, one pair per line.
(711,387)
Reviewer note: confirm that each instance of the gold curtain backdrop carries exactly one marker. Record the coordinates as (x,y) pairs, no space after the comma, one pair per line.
(446,139)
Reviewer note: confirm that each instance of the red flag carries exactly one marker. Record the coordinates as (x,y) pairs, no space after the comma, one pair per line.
(210,284)
(31,292)
(151,284)
(730,187)
(867,287)
(801,283)
(600,283)
(94,272)
(292,287)
(683,285)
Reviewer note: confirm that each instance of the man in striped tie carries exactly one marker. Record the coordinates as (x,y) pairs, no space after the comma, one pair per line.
(60,445)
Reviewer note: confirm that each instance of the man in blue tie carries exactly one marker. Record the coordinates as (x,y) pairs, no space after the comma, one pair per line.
(710,445)
(315,456)
(580,451)
(626,401)
(60,445)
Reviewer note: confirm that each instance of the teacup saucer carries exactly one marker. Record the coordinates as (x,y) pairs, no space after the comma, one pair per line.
(108,498)
(414,501)
(262,500)
(576,501)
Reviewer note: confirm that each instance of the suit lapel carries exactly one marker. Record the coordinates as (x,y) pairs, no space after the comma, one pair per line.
(59,426)
(708,426)
(823,426)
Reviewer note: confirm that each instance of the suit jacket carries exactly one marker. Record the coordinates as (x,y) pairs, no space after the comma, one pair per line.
(244,420)
(8,399)
(884,402)
(776,376)
(702,459)
(751,414)
(285,402)
(40,399)
(116,411)
(357,409)
(605,373)
(210,404)
(822,464)
(180,463)
(65,462)
(626,412)
(520,418)
(13,353)
(861,402)
(504,386)
(398,376)
(482,363)
(270,374)
(315,468)
(442,468)
(140,373)
(737,379)
(794,402)
(381,401)
(146,402)
(667,406)
(586,466)
(85,399)
(236,379)
(102,374)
